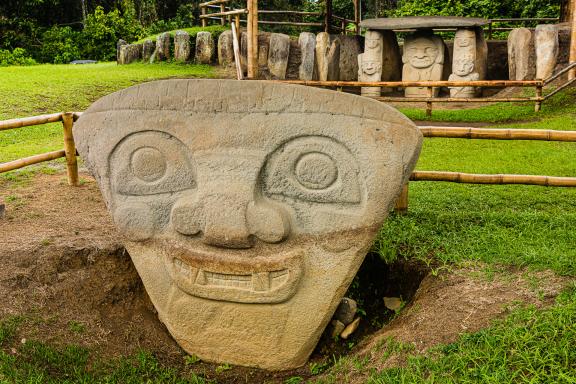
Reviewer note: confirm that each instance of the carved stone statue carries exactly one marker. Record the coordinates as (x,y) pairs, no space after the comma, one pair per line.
(370,62)
(246,207)
(423,60)
(463,63)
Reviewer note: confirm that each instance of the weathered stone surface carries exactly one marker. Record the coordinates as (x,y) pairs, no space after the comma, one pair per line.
(119,44)
(263,49)
(481,63)
(130,53)
(204,48)
(346,310)
(422,22)
(162,51)
(464,63)
(391,57)
(182,46)
(521,65)
(225,49)
(148,48)
(307,43)
(370,62)
(546,45)
(244,51)
(350,329)
(241,201)
(350,48)
(294,61)
(337,328)
(278,55)
(2,210)
(423,60)
(327,56)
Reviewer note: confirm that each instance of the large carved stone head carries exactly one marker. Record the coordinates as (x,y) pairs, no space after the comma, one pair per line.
(423,51)
(247,207)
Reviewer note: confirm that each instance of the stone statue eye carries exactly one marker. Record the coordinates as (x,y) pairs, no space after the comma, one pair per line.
(151,162)
(312,168)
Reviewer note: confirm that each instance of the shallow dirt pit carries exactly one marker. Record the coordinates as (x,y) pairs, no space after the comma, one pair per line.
(66,273)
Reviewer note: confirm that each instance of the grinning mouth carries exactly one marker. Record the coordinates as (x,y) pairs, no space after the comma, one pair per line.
(245,280)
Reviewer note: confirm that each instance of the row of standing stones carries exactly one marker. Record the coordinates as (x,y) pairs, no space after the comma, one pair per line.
(424,56)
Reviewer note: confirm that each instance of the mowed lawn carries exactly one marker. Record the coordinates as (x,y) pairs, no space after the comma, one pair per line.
(496,226)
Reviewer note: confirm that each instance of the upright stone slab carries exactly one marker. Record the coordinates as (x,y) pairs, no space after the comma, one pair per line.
(521,55)
(247,207)
(464,63)
(225,49)
(307,42)
(204,48)
(130,53)
(350,48)
(278,55)
(182,46)
(263,49)
(370,62)
(119,44)
(244,51)
(162,51)
(391,58)
(423,60)
(148,48)
(327,56)
(481,63)
(546,45)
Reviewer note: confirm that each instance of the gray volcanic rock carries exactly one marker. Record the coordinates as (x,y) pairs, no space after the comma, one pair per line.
(521,55)
(247,207)
(307,42)
(182,46)
(129,53)
(422,22)
(350,48)
(546,45)
(278,55)
(162,51)
(148,48)
(225,49)
(327,56)
(204,48)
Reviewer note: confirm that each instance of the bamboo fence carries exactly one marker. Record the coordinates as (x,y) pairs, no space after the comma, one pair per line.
(69,151)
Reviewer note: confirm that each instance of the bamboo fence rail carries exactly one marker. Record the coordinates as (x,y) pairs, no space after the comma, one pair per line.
(69,151)
(473,178)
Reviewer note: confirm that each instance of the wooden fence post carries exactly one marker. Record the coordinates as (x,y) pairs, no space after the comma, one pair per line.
(252,21)
(401,206)
(70,148)
(429,103)
(222,10)
(538,104)
(203,12)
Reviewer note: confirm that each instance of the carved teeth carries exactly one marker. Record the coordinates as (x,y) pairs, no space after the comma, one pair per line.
(261,281)
(201,277)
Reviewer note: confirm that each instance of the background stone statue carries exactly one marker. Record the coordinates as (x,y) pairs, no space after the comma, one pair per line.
(423,60)
(370,62)
(464,63)
(246,207)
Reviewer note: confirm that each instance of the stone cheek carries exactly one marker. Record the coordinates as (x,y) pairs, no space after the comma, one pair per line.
(247,207)
(423,60)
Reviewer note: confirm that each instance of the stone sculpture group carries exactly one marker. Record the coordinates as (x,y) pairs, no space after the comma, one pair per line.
(247,207)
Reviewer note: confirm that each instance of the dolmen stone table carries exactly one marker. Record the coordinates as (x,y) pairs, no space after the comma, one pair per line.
(247,207)
(425,55)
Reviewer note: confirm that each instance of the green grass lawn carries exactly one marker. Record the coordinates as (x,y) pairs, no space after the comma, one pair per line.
(447,224)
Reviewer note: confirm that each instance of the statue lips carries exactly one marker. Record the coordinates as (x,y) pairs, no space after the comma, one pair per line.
(242,279)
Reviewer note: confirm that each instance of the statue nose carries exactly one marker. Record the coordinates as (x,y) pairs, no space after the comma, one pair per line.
(228,220)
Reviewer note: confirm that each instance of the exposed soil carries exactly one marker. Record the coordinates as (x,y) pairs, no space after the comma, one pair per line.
(65,271)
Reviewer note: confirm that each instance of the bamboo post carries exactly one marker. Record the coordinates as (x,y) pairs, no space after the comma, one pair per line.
(203,12)
(328,16)
(401,206)
(20,163)
(236,48)
(538,104)
(572,73)
(222,10)
(237,21)
(343,26)
(70,148)
(252,21)
(429,102)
